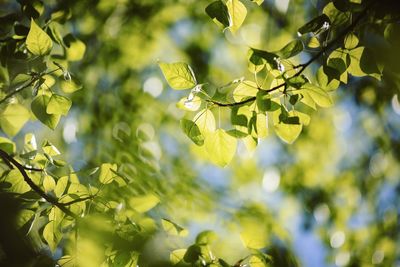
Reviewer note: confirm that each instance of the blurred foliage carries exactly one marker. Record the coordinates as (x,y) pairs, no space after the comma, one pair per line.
(96,172)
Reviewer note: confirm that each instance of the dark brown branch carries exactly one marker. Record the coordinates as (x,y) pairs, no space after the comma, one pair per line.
(34,78)
(303,66)
(10,160)
(19,89)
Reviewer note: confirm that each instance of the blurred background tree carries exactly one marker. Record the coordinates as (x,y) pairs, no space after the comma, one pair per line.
(329,199)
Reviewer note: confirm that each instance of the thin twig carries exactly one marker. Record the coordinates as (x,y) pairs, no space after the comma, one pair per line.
(7,158)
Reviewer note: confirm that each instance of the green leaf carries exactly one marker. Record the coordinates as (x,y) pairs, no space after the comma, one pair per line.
(320,97)
(39,106)
(179,75)
(144,203)
(16,180)
(70,86)
(62,184)
(261,125)
(218,12)
(287,125)
(221,147)
(255,261)
(205,120)
(52,235)
(192,254)
(58,105)
(245,90)
(265,103)
(192,105)
(192,131)
(75,48)
(314,25)
(177,255)
(258,2)
(291,49)
(173,228)
(206,237)
(237,12)
(37,41)
(23,217)
(325,82)
(13,118)
(7,145)
(48,183)
(106,174)
(363,63)
(50,149)
(350,41)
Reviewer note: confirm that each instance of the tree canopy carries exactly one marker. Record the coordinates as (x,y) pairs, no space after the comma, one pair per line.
(199,133)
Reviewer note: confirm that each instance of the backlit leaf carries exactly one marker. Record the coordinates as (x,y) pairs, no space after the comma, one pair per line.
(144,203)
(37,41)
(221,147)
(237,12)
(178,75)
(39,106)
(58,105)
(13,118)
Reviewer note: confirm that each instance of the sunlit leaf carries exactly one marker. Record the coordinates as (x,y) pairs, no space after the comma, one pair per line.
(48,183)
(52,235)
(13,118)
(179,75)
(320,97)
(177,255)
(75,48)
(144,203)
(39,106)
(245,90)
(291,49)
(221,147)
(107,175)
(192,131)
(173,228)
(58,105)
(237,12)
(37,41)
(350,41)
(205,120)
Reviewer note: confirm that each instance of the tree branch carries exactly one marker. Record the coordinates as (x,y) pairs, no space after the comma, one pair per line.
(34,78)
(19,89)
(10,160)
(306,64)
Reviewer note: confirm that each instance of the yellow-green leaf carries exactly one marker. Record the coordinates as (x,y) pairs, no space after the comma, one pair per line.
(52,235)
(39,106)
(320,97)
(179,75)
(173,228)
(221,147)
(205,120)
(237,12)
(13,118)
(58,104)
(177,255)
(144,203)
(245,90)
(37,41)
(48,183)
(107,175)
